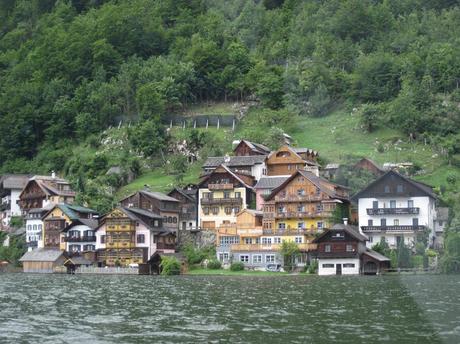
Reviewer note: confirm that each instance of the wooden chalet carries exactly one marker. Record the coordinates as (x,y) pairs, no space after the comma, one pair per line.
(188,208)
(43,190)
(287,160)
(370,166)
(158,203)
(342,250)
(248,148)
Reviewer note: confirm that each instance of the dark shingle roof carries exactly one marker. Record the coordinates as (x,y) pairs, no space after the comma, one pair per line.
(143,212)
(234,161)
(377,256)
(158,195)
(14,181)
(339,227)
(41,255)
(270,182)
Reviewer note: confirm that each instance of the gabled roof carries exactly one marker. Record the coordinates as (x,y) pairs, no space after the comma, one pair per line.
(317,181)
(377,256)
(91,223)
(143,212)
(41,255)
(371,162)
(251,211)
(189,194)
(340,227)
(14,181)
(296,152)
(71,211)
(424,188)
(158,195)
(304,150)
(255,147)
(234,161)
(270,182)
(233,174)
(44,182)
(78,260)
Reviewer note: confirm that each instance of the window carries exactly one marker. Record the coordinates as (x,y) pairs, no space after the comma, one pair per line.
(301,225)
(270,258)
(226,194)
(206,210)
(155,223)
(228,240)
(383,222)
(281,209)
(244,258)
(238,194)
(277,240)
(266,241)
(223,256)
(415,221)
(29,227)
(215,210)
(236,210)
(170,220)
(281,225)
(349,248)
(228,210)
(298,240)
(301,208)
(371,238)
(300,192)
(289,167)
(399,188)
(248,241)
(396,222)
(327,248)
(410,203)
(386,189)
(348,265)
(102,239)
(257,258)
(320,225)
(141,238)
(89,247)
(398,240)
(370,222)
(174,219)
(35,227)
(392,204)
(375,204)
(327,266)
(319,207)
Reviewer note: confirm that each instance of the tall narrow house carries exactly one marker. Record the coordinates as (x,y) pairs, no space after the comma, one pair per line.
(188,206)
(396,208)
(221,195)
(11,186)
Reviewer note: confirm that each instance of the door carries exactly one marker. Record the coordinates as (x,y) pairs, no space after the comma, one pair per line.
(338,269)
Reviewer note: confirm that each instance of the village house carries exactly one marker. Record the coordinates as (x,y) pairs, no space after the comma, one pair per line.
(287,160)
(11,186)
(58,218)
(304,202)
(79,236)
(395,207)
(131,236)
(440,223)
(342,250)
(41,191)
(43,261)
(253,165)
(188,206)
(370,166)
(158,203)
(34,227)
(248,148)
(221,195)
(264,188)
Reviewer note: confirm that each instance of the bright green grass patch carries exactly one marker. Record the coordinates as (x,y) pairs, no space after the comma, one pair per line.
(219,108)
(223,272)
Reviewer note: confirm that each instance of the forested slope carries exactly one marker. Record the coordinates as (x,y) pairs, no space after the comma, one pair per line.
(71,69)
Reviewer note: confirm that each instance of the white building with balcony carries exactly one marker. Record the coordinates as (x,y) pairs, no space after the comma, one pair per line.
(396,208)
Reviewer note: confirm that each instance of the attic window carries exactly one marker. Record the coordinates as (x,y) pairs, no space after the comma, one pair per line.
(399,188)
(387,189)
(283,154)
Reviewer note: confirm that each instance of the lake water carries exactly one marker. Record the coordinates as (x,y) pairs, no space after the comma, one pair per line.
(211,309)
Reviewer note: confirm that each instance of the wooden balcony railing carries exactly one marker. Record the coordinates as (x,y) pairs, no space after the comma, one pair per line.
(392,228)
(220,186)
(300,215)
(297,231)
(80,239)
(120,245)
(298,198)
(230,200)
(389,211)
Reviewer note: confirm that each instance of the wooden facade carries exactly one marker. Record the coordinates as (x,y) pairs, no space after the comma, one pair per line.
(285,161)
(188,208)
(370,166)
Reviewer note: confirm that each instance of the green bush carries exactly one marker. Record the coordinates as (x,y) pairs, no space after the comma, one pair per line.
(170,266)
(214,264)
(237,266)
(196,255)
(313,267)
(417,261)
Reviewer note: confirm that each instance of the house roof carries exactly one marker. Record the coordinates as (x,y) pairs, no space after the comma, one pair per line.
(377,256)
(158,195)
(304,150)
(71,211)
(256,147)
(252,211)
(340,227)
(424,188)
(190,194)
(143,212)
(78,260)
(44,182)
(14,181)
(332,166)
(91,223)
(372,163)
(270,182)
(234,174)
(234,161)
(317,181)
(296,152)
(41,255)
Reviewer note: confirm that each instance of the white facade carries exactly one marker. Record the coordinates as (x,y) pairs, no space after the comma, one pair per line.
(13,207)
(76,239)
(34,232)
(221,215)
(348,266)
(394,213)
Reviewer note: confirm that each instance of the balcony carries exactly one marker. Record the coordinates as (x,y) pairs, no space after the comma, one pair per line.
(120,228)
(230,200)
(392,228)
(299,231)
(269,247)
(120,245)
(80,239)
(250,232)
(302,215)
(220,186)
(392,211)
(298,198)
(164,246)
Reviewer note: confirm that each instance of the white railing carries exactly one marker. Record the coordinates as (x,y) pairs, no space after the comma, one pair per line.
(107,270)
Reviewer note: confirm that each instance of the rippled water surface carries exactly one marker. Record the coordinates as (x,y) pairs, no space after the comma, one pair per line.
(211,309)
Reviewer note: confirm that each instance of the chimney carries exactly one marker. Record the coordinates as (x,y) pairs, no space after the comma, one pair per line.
(227,158)
(53,174)
(345,221)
